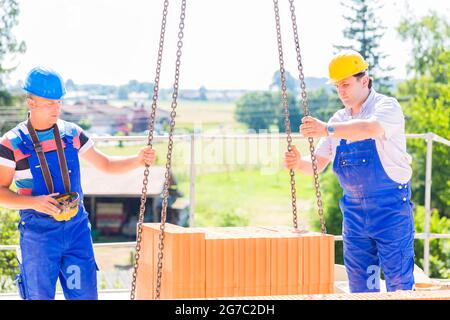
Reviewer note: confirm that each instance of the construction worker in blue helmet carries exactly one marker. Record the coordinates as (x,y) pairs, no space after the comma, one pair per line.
(41,155)
(366,142)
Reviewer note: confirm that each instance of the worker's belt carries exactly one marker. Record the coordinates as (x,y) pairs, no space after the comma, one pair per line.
(68,202)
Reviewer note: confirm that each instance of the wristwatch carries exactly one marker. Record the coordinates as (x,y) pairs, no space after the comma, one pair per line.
(331,129)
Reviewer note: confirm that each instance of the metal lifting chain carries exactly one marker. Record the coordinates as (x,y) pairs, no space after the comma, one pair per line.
(287,122)
(169,152)
(149,143)
(305,107)
(306,113)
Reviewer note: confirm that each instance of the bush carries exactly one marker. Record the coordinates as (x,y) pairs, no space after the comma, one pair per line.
(9,235)
(6,98)
(235,218)
(257,110)
(439,248)
(227,217)
(331,193)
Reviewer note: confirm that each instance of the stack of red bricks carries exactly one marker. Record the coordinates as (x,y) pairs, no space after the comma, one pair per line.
(235,262)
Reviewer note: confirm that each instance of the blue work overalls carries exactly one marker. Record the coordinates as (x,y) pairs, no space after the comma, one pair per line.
(378,225)
(53,249)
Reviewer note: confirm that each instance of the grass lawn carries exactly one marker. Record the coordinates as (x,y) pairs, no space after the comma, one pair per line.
(250,197)
(199,114)
(211,112)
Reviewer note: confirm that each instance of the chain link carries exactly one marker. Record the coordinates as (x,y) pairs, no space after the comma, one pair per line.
(306,113)
(169,150)
(287,121)
(149,143)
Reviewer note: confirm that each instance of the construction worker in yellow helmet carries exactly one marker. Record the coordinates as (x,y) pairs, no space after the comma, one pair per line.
(366,142)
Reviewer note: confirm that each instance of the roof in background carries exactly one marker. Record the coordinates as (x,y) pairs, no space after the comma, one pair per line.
(97,183)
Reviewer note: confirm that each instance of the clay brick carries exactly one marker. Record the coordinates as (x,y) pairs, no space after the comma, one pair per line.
(183,263)
(236,261)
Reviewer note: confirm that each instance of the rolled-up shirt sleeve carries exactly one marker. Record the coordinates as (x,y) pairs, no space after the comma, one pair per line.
(6,153)
(324,148)
(85,141)
(390,116)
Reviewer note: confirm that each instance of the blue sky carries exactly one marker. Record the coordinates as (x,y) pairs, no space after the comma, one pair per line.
(229,44)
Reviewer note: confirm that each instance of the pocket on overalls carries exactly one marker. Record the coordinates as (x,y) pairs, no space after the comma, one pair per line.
(356,158)
(354,168)
(20,283)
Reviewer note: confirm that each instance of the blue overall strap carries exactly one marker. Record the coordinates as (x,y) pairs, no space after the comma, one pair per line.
(62,158)
(43,162)
(25,145)
(41,157)
(68,135)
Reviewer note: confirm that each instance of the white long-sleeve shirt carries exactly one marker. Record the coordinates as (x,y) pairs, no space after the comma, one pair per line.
(391,147)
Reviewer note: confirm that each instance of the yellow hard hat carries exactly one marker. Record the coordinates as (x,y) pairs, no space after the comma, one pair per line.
(345,64)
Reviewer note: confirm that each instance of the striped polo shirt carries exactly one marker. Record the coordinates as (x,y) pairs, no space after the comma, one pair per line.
(11,156)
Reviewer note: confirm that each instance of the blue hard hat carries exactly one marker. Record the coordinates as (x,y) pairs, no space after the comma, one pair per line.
(45,83)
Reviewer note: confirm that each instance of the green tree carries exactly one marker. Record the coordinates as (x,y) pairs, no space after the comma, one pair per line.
(427,100)
(202,93)
(10,115)
(291,82)
(295,113)
(323,104)
(364,32)
(133,85)
(9,235)
(85,123)
(9,45)
(6,99)
(70,85)
(257,110)
(430,37)
(439,248)
(122,93)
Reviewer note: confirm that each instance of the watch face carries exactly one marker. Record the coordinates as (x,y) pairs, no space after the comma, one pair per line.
(330,129)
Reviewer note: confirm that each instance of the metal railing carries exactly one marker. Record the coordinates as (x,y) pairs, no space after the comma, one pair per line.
(192,138)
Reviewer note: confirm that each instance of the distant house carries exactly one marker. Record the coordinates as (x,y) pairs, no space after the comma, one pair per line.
(224,95)
(108,120)
(113,201)
(141,118)
(138,96)
(78,95)
(211,95)
(190,94)
(98,99)
(76,112)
